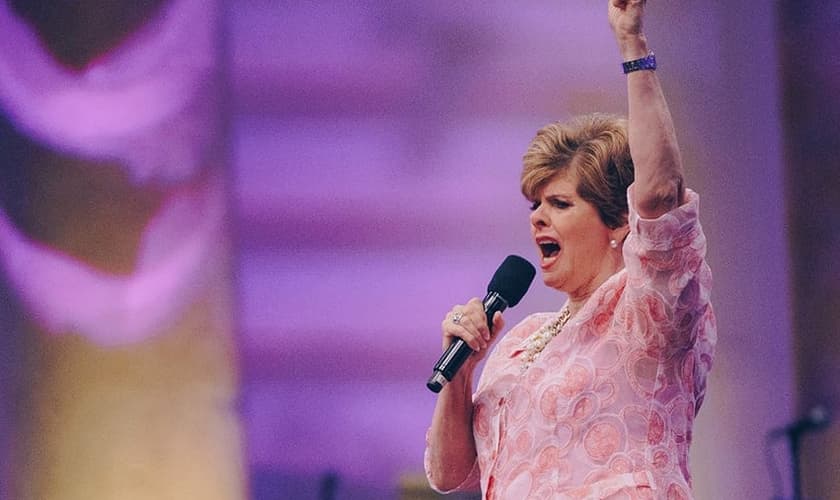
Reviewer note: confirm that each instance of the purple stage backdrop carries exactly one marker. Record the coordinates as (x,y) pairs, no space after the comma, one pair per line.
(376,154)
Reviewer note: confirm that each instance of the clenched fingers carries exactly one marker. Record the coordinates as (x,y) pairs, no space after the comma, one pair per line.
(469,323)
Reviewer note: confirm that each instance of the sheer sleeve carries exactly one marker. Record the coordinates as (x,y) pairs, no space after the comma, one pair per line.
(668,280)
(470,483)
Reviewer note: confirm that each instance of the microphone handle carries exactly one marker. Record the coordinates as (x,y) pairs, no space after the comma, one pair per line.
(458,351)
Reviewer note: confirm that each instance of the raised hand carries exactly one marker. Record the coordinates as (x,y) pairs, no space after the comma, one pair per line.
(625,18)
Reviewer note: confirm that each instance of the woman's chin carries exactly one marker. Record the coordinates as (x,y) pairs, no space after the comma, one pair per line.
(552,281)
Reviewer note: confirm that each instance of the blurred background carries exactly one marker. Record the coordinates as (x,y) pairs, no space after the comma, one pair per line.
(230,231)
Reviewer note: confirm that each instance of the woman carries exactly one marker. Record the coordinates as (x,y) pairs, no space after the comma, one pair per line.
(598,400)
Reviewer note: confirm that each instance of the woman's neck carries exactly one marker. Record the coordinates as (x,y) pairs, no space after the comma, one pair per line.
(577,298)
(576,304)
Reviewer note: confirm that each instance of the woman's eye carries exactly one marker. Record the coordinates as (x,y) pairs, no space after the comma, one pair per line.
(535,205)
(560,204)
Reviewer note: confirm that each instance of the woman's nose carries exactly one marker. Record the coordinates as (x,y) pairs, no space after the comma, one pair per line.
(538,217)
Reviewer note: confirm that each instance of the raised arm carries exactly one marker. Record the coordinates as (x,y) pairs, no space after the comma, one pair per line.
(658,185)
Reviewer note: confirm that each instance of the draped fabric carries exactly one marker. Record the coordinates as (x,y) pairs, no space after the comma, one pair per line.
(150,108)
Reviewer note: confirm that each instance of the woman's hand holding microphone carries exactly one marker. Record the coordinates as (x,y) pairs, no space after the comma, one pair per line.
(469,323)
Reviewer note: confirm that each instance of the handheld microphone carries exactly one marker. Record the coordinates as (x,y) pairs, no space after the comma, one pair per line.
(506,289)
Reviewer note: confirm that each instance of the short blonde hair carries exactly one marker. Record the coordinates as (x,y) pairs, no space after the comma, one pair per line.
(596,148)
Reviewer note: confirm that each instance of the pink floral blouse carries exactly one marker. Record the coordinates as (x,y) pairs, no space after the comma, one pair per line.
(607,408)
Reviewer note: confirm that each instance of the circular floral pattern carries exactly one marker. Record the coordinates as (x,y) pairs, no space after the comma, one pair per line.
(636,422)
(548,401)
(602,440)
(584,408)
(576,379)
(656,428)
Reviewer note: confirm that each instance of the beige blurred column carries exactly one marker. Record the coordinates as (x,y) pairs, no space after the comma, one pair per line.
(811,86)
(115,241)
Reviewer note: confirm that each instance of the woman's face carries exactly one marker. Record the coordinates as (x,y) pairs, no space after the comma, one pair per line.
(572,241)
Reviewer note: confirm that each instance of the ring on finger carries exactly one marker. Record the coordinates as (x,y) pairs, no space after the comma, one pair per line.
(456,317)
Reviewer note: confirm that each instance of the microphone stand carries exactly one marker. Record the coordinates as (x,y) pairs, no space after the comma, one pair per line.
(817,419)
(793,440)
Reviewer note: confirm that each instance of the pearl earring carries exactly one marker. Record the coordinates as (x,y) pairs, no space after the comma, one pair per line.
(613,244)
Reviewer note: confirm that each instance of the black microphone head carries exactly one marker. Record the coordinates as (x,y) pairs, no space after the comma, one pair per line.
(512,279)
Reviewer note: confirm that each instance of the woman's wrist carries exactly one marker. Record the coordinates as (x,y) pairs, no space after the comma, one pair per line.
(459,393)
(465,373)
(633,47)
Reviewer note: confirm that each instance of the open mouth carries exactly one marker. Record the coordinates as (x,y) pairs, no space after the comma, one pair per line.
(548,248)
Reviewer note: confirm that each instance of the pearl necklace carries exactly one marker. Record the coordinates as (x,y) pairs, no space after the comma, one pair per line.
(540,339)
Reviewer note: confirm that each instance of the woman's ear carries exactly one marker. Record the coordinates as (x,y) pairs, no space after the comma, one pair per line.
(619,234)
